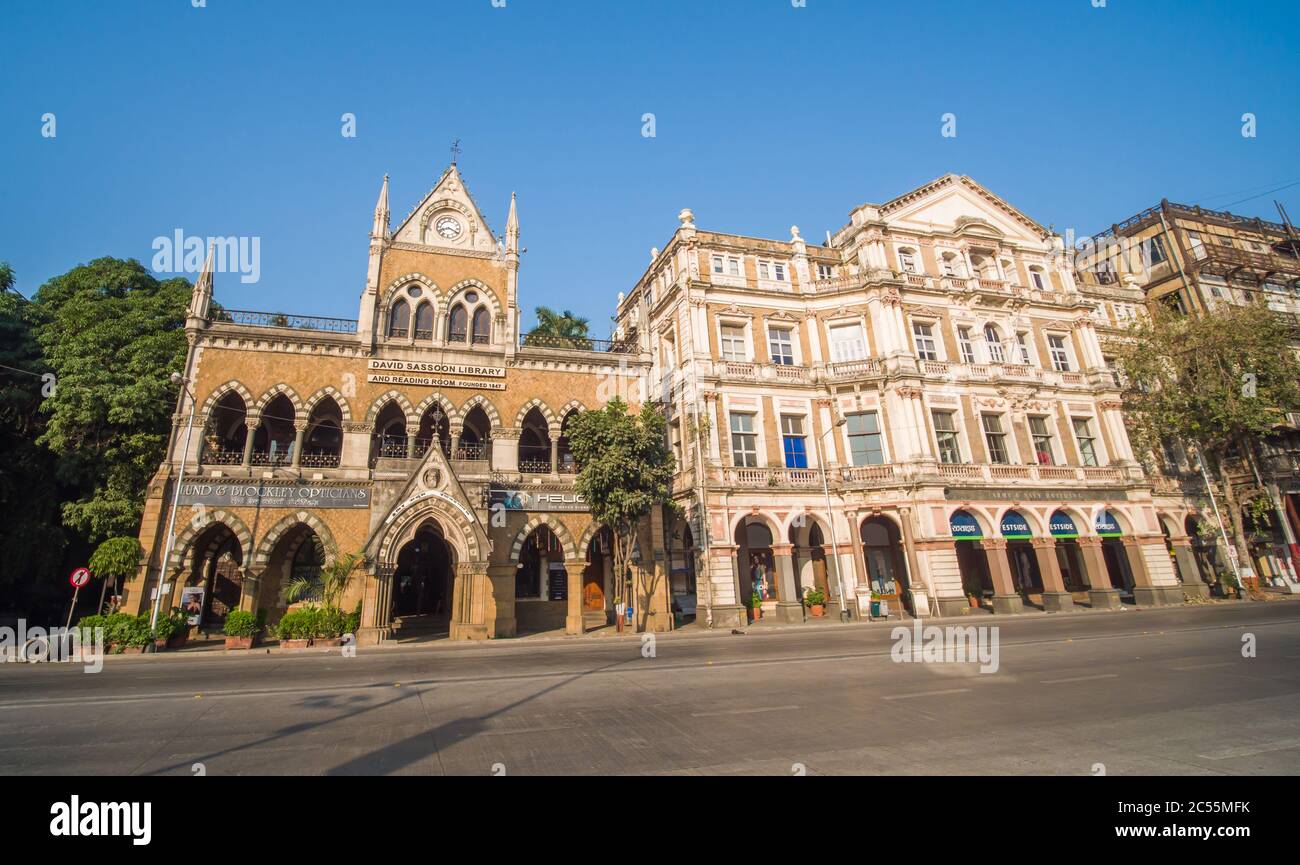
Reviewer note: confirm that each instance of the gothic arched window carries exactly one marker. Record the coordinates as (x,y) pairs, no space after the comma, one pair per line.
(456,324)
(399,319)
(482,326)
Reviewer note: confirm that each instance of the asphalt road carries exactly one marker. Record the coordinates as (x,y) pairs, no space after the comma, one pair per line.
(1135,692)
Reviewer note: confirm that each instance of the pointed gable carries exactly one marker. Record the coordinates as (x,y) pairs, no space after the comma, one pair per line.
(447,217)
(958,205)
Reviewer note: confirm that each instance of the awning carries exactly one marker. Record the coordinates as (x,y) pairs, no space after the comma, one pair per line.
(1015,527)
(1108,526)
(1062,526)
(965,527)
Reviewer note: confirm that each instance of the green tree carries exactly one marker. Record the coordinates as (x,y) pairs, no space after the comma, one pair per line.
(1220,382)
(30,535)
(116,559)
(559,330)
(112,334)
(625,469)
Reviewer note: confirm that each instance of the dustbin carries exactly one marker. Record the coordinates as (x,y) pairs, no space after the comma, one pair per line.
(875,609)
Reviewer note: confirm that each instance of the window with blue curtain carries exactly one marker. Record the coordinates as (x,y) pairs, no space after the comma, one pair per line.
(793,442)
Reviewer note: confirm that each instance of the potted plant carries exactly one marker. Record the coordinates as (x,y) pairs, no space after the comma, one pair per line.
(323,624)
(297,628)
(756,606)
(172,630)
(1230,583)
(974,592)
(242,629)
(134,634)
(815,600)
(875,605)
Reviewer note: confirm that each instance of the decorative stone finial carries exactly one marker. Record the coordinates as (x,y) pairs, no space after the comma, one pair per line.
(687,217)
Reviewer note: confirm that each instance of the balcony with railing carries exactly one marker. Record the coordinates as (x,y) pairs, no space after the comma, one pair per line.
(577,343)
(286,321)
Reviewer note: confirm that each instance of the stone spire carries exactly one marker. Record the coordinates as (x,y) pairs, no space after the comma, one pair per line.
(512,226)
(201,296)
(380,229)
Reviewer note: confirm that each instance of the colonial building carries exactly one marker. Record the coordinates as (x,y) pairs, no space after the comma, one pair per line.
(1196,261)
(425,435)
(919,408)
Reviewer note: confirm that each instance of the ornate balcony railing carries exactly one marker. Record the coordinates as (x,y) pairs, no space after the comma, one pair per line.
(264,458)
(221,457)
(319,461)
(535,467)
(577,343)
(855,368)
(290,322)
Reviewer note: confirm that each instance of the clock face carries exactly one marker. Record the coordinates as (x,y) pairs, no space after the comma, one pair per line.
(448,228)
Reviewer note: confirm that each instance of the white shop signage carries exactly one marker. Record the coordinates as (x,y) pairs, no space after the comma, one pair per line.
(242,494)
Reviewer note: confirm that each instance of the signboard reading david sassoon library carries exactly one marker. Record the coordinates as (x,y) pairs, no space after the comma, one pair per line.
(252,495)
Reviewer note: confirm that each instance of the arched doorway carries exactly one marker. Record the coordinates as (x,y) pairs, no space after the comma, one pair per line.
(1025,575)
(423,579)
(227,428)
(476,436)
(534,444)
(541,583)
(388,441)
(972,561)
(756,563)
(1173,555)
(597,579)
(322,446)
(218,570)
(1115,555)
(273,440)
(1069,556)
(882,551)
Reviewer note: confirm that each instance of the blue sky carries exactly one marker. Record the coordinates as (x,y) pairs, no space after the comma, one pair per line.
(225,120)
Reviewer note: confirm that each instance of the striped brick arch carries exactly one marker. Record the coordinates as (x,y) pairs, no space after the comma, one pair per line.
(558,528)
(183,548)
(262,556)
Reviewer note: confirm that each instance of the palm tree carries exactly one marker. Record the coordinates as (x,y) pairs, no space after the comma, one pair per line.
(559,330)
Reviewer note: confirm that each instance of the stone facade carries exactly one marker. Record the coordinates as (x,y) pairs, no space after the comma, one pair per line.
(918,408)
(424,436)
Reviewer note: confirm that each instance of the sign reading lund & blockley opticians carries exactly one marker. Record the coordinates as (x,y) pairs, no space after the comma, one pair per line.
(425,374)
(264,495)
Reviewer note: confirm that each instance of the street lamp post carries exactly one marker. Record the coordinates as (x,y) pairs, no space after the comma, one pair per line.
(830,517)
(177,378)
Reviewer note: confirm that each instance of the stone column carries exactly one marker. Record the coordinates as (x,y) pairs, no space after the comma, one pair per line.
(412,430)
(249,587)
(920,590)
(251,423)
(299,430)
(497,584)
(469,600)
(1145,592)
(554,433)
(573,623)
(724,588)
(1193,585)
(1006,599)
(1101,594)
(1055,598)
(789,605)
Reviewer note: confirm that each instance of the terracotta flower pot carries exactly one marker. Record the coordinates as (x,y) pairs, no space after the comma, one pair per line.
(178,639)
(239,643)
(974,602)
(132,650)
(295,644)
(817,610)
(327,642)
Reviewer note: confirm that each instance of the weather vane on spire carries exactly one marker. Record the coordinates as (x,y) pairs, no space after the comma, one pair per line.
(455,151)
